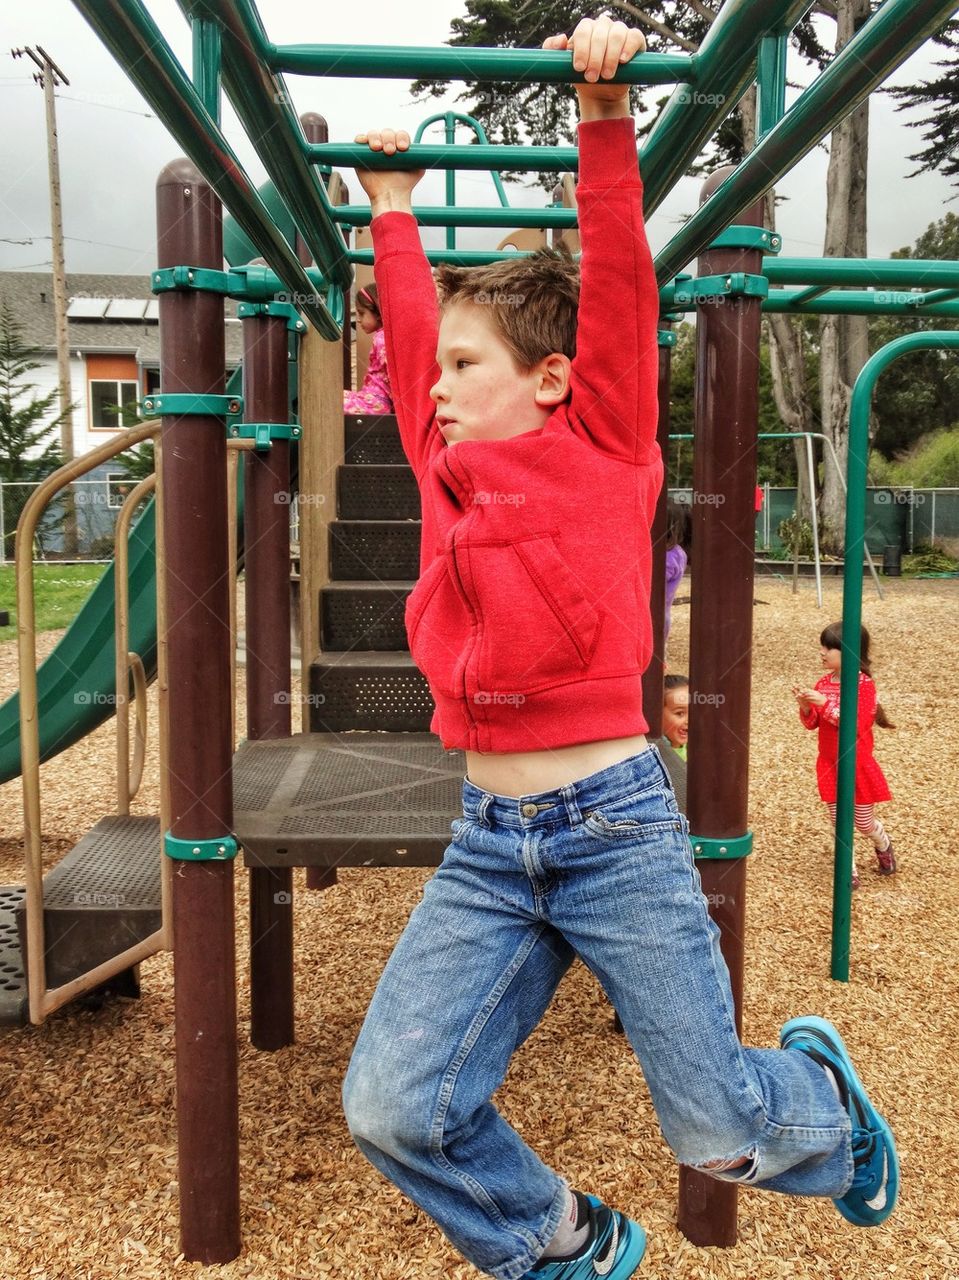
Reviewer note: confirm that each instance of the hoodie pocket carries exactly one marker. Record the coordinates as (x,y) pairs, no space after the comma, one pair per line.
(539,626)
(438,627)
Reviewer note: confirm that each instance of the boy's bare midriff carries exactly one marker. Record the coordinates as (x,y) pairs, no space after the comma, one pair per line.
(523,773)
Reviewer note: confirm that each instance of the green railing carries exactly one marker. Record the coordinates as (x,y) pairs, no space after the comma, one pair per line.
(852,620)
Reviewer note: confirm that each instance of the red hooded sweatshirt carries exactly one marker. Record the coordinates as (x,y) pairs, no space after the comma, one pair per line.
(531,620)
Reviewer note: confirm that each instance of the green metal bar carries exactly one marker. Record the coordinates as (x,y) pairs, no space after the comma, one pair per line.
(772,82)
(856,474)
(858,302)
(358,215)
(881,44)
(726,62)
(354,155)
(898,272)
(416,63)
(206,65)
(450,130)
(938,295)
(263,105)
(129,32)
(807,295)
(471,123)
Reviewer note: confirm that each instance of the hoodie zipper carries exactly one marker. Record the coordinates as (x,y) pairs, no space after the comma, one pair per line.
(465,595)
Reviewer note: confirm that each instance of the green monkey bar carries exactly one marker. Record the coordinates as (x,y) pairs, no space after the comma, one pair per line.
(851,621)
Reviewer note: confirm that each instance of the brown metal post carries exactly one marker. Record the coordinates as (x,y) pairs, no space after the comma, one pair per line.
(267,558)
(189,228)
(723,520)
(653,675)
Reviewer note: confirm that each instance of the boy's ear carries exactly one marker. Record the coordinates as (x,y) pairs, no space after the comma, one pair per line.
(554,375)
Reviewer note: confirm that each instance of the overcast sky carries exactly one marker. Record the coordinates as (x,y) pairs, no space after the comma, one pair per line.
(111,149)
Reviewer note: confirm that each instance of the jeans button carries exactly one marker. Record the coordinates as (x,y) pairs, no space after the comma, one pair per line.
(530,810)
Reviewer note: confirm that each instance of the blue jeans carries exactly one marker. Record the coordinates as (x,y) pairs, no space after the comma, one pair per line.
(602,869)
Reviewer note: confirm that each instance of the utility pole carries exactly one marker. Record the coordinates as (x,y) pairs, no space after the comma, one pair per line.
(48,77)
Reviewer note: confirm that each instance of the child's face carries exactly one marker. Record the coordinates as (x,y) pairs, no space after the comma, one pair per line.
(481,392)
(368,320)
(831,659)
(676,716)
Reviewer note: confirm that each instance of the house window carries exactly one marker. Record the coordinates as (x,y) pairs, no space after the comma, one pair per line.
(119,486)
(151,382)
(113,403)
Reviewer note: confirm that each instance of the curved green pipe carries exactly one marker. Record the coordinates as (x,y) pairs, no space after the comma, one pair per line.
(856,467)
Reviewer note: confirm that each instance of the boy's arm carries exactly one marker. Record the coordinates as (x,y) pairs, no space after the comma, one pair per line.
(615,373)
(407,296)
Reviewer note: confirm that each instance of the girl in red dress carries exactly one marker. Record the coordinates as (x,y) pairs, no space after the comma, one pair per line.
(819,709)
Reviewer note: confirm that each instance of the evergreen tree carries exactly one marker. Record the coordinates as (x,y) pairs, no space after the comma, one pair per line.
(27,455)
(939,98)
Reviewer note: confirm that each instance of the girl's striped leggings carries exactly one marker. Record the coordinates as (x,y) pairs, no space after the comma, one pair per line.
(867,822)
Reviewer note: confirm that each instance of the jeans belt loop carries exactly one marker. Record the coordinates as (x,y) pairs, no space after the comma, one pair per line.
(572,808)
(481,808)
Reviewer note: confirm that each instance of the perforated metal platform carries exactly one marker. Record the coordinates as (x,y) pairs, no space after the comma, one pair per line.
(13,981)
(386,492)
(353,800)
(368,691)
(102,898)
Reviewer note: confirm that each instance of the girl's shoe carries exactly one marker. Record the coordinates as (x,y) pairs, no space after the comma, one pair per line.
(887,860)
(875,1184)
(613,1250)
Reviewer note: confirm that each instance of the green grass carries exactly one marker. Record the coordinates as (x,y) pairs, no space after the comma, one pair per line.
(59,590)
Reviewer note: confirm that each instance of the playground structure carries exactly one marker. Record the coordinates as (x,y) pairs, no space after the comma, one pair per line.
(384,794)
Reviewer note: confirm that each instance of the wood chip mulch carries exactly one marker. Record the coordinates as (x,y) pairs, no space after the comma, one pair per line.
(89,1152)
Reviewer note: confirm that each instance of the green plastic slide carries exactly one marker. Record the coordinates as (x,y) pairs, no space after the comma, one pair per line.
(76,684)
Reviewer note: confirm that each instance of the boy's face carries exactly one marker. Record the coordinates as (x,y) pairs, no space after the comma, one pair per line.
(481,392)
(676,716)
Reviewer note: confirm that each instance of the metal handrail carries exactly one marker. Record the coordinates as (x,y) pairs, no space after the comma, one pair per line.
(43,1001)
(125,660)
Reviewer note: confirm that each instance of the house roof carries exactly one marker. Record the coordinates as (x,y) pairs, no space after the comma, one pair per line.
(29,296)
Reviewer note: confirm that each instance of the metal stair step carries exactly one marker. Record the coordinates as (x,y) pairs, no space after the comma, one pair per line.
(373,440)
(102,898)
(355,800)
(377,493)
(368,690)
(374,550)
(13,980)
(363,615)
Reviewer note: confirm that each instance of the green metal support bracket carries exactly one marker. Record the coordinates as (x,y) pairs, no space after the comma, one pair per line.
(221,850)
(734,847)
(284,309)
(738,284)
(264,433)
(164,406)
(666,338)
(204,278)
(743,237)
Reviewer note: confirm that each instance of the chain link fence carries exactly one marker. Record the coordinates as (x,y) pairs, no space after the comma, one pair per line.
(78,524)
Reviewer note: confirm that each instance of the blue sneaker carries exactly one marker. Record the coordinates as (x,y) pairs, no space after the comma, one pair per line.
(875,1185)
(613,1250)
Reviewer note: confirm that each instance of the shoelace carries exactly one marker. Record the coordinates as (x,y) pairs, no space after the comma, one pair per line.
(863,1149)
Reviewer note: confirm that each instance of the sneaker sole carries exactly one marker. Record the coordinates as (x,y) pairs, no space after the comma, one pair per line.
(832,1038)
(631,1248)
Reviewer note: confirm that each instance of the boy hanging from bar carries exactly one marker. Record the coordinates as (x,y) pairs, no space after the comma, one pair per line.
(527,406)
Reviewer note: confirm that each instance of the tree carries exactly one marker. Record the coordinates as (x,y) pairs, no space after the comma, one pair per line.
(918,394)
(26,453)
(940,99)
(544,114)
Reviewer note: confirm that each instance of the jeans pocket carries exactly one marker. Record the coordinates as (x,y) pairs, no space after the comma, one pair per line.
(639,815)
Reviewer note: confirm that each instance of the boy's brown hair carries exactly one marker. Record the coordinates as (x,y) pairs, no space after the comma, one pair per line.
(532,301)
